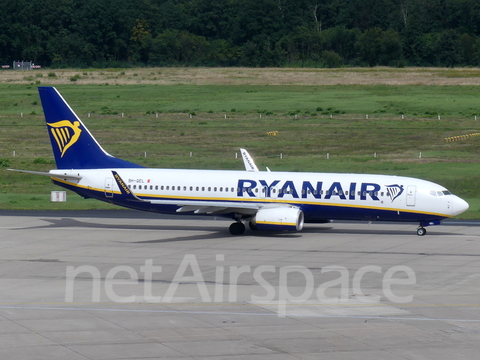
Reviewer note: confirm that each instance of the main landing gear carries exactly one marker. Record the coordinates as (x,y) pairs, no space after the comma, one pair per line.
(237,228)
(421,231)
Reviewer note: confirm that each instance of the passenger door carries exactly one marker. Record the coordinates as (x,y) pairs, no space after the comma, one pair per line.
(411,194)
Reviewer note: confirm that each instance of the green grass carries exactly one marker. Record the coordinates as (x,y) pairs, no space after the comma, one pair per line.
(458,101)
(349,138)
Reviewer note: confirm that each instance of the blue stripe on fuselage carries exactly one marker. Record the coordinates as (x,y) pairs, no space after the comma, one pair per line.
(312,212)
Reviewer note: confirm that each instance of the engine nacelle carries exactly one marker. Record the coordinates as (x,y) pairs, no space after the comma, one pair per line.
(281,218)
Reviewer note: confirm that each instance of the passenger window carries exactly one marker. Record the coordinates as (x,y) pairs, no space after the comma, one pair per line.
(151,187)
(209,188)
(215,189)
(134,187)
(191,188)
(129,186)
(221,189)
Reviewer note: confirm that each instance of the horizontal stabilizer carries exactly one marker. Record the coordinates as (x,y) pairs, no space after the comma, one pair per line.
(63,176)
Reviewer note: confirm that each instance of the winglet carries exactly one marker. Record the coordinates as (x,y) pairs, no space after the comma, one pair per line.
(125,190)
(248,161)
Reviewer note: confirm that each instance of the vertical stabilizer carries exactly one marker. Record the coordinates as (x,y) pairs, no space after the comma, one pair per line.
(73,145)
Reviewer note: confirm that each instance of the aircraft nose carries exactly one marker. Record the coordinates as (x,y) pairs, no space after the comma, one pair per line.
(460,206)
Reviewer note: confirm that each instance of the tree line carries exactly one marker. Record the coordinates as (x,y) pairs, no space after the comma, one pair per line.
(255,33)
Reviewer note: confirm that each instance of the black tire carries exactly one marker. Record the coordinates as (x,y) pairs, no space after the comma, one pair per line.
(237,228)
(421,231)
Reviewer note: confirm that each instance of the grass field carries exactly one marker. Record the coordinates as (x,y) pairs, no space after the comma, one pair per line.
(312,121)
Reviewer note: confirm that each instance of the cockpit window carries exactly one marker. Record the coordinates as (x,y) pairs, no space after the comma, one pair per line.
(437,193)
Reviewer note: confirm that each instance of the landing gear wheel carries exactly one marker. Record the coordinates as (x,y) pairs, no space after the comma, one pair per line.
(237,228)
(421,231)
(252,226)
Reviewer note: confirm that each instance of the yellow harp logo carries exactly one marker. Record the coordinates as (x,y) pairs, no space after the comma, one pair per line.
(65,134)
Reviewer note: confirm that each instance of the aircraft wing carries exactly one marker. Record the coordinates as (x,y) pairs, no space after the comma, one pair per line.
(198,207)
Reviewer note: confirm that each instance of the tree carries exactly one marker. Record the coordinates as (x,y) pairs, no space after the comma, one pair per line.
(467,49)
(447,49)
(331,59)
(378,47)
(140,41)
(371,46)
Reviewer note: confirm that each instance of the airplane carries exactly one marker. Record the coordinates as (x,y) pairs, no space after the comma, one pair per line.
(266,200)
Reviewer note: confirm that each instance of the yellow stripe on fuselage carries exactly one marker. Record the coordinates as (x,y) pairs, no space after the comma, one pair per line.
(257,200)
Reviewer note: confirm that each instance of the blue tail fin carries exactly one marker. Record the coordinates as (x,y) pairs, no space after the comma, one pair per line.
(73,145)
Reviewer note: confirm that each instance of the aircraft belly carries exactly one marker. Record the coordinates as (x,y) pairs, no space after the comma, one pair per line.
(322,212)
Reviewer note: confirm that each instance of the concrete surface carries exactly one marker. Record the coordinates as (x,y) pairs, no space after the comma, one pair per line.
(234,297)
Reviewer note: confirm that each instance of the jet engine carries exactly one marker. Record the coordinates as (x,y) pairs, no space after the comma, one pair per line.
(280,218)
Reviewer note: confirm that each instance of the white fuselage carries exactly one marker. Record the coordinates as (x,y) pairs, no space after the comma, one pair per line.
(319,195)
